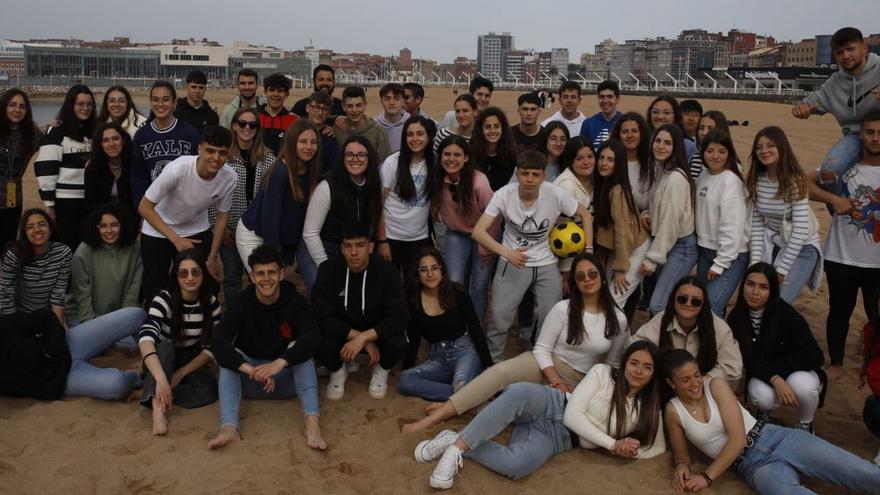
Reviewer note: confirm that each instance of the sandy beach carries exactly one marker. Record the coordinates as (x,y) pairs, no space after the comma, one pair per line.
(91,446)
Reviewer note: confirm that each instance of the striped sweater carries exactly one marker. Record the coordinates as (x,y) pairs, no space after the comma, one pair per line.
(157,327)
(767,215)
(60,167)
(44,280)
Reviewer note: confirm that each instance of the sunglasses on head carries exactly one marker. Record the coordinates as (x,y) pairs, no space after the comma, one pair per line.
(683,299)
(589,274)
(250,124)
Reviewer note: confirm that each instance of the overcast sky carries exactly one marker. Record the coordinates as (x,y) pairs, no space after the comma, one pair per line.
(440,30)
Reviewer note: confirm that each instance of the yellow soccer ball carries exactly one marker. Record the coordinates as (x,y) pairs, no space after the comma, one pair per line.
(567,239)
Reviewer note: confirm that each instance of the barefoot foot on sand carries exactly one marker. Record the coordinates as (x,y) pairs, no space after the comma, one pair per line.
(160,422)
(226,435)
(419,425)
(314,440)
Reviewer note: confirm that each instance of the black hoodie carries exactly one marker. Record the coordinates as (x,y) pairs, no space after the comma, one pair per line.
(34,358)
(199,118)
(286,329)
(374,298)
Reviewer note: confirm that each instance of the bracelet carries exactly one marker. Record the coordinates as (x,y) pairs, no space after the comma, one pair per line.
(707,478)
(144,361)
(213,255)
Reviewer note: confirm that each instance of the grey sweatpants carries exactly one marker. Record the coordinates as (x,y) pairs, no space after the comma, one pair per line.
(508,288)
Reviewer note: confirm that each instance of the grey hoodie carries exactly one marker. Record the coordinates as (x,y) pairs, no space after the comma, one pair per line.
(229,111)
(849,97)
(393,131)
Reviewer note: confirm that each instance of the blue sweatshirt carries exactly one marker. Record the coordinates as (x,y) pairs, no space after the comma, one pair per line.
(155,148)
(597,128)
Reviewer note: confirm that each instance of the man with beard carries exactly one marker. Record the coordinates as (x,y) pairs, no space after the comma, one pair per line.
(323,80)
(247,96)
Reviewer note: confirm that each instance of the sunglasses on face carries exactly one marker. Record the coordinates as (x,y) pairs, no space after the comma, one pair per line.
(587,275)
(683,299)
(192,272)
(250,124)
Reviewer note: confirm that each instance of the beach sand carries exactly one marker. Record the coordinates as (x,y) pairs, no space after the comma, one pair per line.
(91,446)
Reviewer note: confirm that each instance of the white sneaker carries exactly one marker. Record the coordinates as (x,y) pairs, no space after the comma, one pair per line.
(443,476)
(379,382)
(336,385)
(430,450)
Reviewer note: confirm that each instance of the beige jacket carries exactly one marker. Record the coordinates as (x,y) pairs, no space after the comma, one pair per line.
(624,234)
(672,215)
(729,366)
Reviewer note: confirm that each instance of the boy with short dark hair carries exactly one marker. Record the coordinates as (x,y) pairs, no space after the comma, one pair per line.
(530,208)
(413,95)
(354,102)
(360,305)
(247,81)
(570,114)
(274,118)
(324,81)
(393,115)
(528,134)
(481,89)
(195,109)
(597,128)
(691,111)
(265,344)
(175,209)
(317,109)
(849,94)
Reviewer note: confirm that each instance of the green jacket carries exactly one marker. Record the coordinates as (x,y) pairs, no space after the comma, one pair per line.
(369,129)
(104,280)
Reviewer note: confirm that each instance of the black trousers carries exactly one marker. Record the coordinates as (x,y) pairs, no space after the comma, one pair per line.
(403,253)
(197,389)
(69,217)
(9,219)
(391,351)
(157,254)
(871,414)
(844,283)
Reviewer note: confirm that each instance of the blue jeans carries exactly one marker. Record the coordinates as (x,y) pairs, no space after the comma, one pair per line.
(778,457)
(298,380)
(800,273)
(463,262)
(449,366)
(308,270)
(232,271)
(679,261)
(841,157)
(538,433)
(722,288)
(91,339)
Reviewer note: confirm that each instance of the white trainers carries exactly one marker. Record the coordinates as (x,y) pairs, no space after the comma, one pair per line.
(379,382)
(430,450)
(336,385)
(443,476)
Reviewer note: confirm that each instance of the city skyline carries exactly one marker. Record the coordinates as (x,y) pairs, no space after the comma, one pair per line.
(532,28)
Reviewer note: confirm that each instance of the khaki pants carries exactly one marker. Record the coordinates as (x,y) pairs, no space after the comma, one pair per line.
(523,368)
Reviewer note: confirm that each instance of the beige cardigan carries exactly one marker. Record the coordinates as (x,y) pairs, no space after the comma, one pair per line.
(625,232)
(672,215)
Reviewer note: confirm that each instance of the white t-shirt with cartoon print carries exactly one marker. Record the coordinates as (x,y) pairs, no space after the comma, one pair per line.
(854,239)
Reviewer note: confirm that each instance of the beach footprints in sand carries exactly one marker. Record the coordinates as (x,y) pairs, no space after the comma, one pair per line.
(371,415)
(131,448)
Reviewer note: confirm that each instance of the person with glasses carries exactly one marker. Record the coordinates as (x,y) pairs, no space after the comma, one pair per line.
(118,107)
(60,163)
(459,193)
(783,362)
(277,214)
(356,123)
(163,139)
(404,175)
(250,160)
(35,269)
(578,333)
(443,314)
(107,267)
(323,81)
(317,112)
(666,110)
(349,194)
(175,209)
(688,323)
(556,138)
(19,141)
(174,341)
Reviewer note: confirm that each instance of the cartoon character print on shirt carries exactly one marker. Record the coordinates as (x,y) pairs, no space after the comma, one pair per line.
(531,232)
(865,216)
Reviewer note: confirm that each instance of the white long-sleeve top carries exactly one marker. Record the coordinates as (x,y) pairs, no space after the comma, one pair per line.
(316,213)
(672,215)
(588,408)
(592,349)
(722,221)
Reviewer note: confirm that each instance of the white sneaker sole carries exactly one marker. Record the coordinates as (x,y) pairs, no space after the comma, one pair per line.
(334,394)
(378,394)
(441,484)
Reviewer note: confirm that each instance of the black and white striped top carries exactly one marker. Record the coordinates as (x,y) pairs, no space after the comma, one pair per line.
(157,327)
(768,213)
(696,165)
(44,280)
(60,167)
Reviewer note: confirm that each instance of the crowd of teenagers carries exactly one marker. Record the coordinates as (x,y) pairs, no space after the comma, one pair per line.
(403,230)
